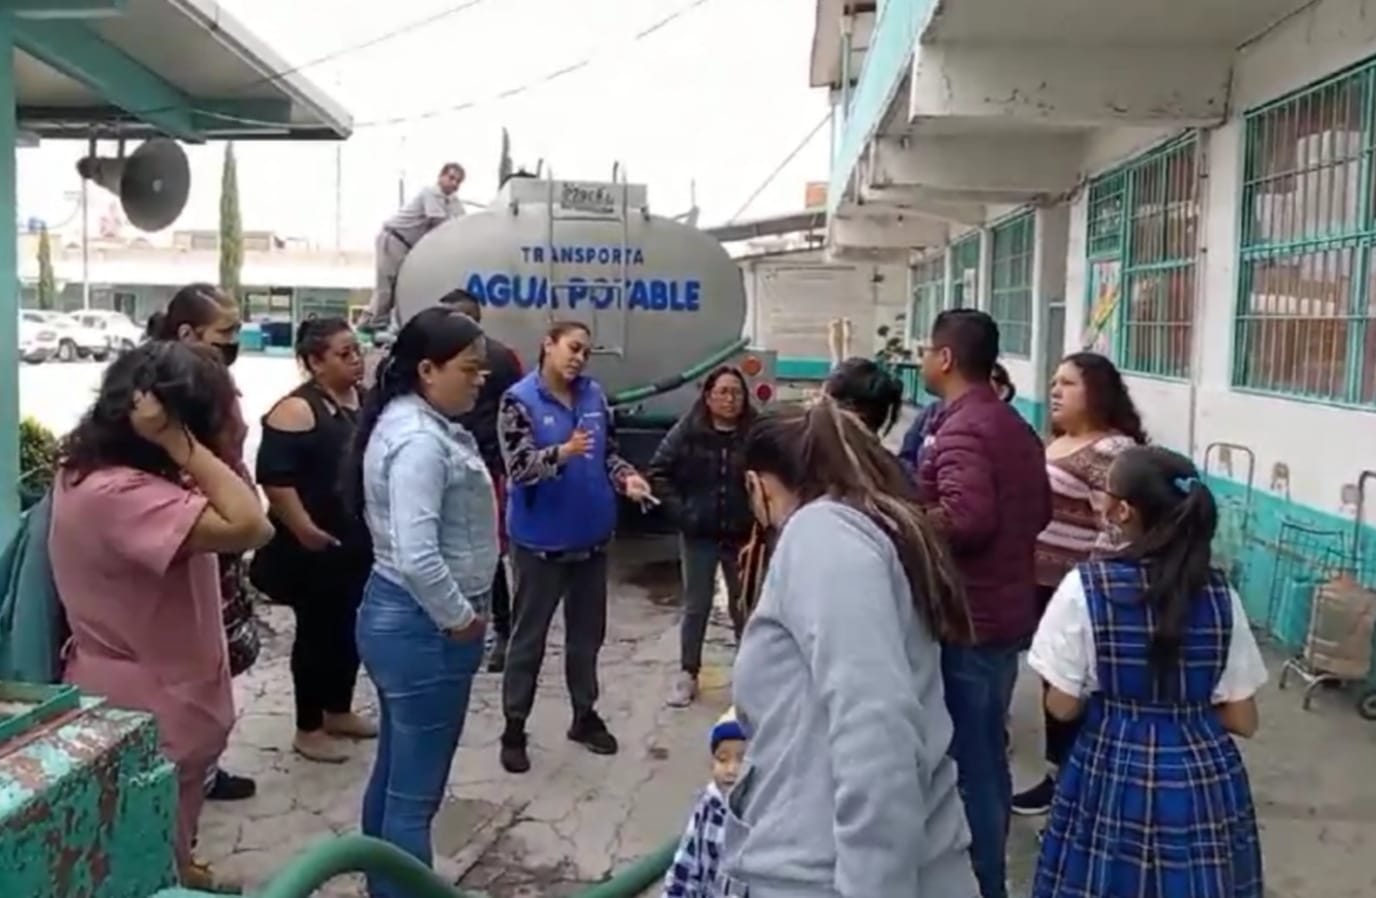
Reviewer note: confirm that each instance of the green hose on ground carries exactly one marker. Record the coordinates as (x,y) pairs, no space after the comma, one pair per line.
(339,855)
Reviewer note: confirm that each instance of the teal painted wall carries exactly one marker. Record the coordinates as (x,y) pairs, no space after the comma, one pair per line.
(1034,410)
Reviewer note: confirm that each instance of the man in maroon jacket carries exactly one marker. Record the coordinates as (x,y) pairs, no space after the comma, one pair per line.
(983,480)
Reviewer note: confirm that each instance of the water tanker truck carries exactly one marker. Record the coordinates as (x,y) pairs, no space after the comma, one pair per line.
(664,301)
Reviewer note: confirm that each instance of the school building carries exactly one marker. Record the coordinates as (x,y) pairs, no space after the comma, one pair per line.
(1185,186)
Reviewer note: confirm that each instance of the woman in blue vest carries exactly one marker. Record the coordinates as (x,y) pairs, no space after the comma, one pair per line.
(563,474)
(420,482)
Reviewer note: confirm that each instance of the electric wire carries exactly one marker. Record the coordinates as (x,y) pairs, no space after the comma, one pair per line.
(778,169)
(450,109)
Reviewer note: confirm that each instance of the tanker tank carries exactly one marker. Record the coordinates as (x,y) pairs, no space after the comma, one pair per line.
(659,296)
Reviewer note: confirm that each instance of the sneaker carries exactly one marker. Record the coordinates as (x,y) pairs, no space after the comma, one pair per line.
(350,726)
(496,656)
(228,787)
(1035,801)
(319,746)
(513,756)
(589,731)
(683,690)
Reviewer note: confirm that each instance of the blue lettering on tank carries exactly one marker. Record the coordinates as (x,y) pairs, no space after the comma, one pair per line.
(500,290)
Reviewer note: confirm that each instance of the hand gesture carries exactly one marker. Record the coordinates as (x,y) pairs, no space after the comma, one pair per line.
(474,631)
(317,540)
(638,490)
(578,444)
(152,422)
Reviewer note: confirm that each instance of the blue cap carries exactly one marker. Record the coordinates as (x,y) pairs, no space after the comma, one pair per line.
(727,727)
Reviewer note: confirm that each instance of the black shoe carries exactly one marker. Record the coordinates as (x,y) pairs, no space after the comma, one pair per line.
(496,659)
(514,757)
(1035,801)
(228,787)
(589,731)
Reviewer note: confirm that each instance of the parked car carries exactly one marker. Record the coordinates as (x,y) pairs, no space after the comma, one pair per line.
(120,332)
(38,337)
(77,341)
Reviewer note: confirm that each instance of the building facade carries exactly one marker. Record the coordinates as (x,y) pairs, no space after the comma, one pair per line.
(1185,187)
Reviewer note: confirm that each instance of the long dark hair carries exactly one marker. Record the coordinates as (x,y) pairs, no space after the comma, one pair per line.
(866,388)
(193,386)
(196,305)
(822,451)
(701,417)
(1178,518)
(436,335)
(1107,398)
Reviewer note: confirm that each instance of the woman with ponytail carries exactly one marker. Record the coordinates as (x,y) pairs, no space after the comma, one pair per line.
(1152,647)
(419,481)
(847,789)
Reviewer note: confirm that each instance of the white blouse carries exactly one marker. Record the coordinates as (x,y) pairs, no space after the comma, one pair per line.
(1063,653)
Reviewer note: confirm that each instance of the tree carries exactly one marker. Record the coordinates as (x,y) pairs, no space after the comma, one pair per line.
(231,227)
(47,282)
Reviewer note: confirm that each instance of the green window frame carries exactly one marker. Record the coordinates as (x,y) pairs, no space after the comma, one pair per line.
(1011,251)
(1142,248)
(1303,323)
(929,296)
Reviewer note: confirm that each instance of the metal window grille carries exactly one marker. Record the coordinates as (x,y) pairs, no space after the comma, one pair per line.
(1143,251)
(929,293)
(1010,283)
(965,272)
(1305,308)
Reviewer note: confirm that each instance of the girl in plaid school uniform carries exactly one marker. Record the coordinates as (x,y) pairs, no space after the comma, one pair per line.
(1153,647)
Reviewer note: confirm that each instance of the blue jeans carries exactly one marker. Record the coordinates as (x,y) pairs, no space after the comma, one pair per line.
(979,688)
(423,681)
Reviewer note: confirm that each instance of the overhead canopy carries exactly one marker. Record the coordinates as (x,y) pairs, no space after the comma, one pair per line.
(184,68)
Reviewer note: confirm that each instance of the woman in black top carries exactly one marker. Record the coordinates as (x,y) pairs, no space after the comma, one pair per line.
(697,472)
(319,560)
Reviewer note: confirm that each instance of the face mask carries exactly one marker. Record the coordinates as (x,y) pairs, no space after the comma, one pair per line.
(228,352)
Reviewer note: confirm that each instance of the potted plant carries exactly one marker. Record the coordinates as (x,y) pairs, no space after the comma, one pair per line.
(38,450)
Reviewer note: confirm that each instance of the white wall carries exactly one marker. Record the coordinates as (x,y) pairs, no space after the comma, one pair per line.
(1325,447)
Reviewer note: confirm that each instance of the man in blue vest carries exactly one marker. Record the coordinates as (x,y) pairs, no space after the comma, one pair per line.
(563,471)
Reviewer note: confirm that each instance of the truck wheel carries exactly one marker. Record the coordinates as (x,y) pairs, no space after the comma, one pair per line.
(1366,705)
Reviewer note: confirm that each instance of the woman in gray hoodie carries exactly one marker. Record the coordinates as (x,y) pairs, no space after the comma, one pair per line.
(846,790)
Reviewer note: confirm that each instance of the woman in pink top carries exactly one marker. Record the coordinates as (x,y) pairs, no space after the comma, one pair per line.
(1092,419)
(140,506)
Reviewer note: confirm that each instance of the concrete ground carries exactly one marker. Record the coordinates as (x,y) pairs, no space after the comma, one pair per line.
(576,817)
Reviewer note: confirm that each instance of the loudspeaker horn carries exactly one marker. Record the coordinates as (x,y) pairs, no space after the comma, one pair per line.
(152,184)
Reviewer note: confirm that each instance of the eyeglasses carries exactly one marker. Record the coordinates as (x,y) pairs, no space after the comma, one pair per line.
(726,393)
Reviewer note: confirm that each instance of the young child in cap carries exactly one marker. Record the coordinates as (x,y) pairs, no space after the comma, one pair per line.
(693,873)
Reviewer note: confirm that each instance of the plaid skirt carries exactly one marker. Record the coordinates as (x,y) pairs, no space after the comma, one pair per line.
(1153,803)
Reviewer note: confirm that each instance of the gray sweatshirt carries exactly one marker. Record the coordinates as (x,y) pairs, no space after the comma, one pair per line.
(846,790)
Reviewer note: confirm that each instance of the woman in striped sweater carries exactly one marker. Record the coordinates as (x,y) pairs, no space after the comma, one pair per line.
(1093,419)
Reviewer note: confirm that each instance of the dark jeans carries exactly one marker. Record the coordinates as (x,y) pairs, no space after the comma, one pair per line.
(1060,734)
(541,584)
(423,681)
(979,688)
(698,562)
(324,656)
(501,602)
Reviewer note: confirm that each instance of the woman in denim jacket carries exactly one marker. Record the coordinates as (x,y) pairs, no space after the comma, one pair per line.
(426,495)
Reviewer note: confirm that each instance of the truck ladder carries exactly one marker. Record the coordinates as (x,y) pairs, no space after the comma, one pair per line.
(620,212)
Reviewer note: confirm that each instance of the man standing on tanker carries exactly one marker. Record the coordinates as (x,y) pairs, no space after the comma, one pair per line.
(431,207)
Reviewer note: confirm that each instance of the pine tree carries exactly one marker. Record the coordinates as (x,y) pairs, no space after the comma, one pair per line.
(231,228)
(47,282)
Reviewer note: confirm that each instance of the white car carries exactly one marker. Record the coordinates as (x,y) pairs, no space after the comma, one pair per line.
(38,338)
(120,332)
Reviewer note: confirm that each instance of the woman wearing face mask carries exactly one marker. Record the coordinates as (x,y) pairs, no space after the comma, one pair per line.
(1093,419)
(420,482)
(320,557)
(140,507)
(563,469)
(847,790)
(202,314)
(1151,648)
(696,473)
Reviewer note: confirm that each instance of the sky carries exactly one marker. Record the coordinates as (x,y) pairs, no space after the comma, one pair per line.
(718,97)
